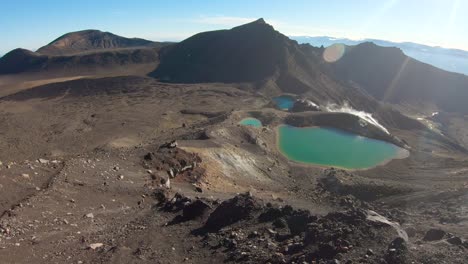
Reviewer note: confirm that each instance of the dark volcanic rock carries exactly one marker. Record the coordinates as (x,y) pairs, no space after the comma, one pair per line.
(271,214)
(434,234)
(397,251)
(302,237)
(298,222)
(455,241)
(233,210)
(399,244)
(327,251)
(161,195)
(196,209)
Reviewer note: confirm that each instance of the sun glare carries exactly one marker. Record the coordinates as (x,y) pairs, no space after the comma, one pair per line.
(334,52)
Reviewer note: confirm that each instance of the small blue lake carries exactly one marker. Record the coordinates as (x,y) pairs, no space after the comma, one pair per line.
(250,121)
(284,102)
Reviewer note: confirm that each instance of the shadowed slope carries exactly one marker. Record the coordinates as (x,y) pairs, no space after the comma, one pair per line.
(21,61)
(249,52)
(389,75)
(17,60)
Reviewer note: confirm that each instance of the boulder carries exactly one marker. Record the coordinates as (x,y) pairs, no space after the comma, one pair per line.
(298,222)
(196,209)
(397,251)
(233,210)
(95,246)
(434,234)
(399,244)
(455,241)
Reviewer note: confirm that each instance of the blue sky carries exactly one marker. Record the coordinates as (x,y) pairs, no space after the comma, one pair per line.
(31,24)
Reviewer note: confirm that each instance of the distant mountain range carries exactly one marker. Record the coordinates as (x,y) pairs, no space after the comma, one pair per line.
(453,60)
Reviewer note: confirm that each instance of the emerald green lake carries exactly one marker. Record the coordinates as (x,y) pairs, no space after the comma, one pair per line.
(251,122)
(332,147)
(284,102)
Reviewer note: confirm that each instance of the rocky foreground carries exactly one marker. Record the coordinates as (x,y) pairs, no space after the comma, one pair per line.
(154,208)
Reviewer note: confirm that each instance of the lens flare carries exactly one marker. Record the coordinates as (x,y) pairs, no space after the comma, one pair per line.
(334,52)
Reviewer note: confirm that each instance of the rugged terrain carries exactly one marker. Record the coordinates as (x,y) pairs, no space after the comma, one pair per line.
(115,166)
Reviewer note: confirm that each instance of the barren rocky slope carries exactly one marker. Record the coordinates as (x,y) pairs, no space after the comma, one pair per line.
(91,40)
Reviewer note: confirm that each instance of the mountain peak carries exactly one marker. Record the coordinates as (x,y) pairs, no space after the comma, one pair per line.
(89,40)
(257,25)
(260,21)
(80,34)
(244,53)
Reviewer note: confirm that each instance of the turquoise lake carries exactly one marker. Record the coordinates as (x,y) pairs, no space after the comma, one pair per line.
(284,102)
(251,122)
(332,147)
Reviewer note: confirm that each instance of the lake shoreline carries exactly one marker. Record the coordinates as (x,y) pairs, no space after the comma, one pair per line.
(400,153)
